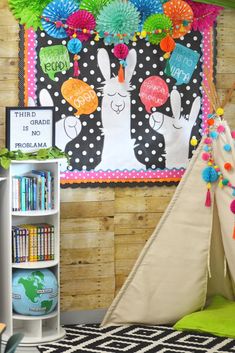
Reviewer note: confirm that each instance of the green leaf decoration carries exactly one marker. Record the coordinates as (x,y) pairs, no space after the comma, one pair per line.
(45,153)
(28,12)
(93,6)
(157,21)
(223,3)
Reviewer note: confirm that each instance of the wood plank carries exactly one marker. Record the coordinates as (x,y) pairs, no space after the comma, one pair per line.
(145,191)
(141,204)
(87,224)
(87,194)
(87,209)
(87,271)
(88,285)
(9,98)
(225,50)
(86,256)
(224,81)
(87,240)
(133,236)
(8,49)
(136,220)
(225,66)
(131,251)
(8,66)
(86,301)
(10,84)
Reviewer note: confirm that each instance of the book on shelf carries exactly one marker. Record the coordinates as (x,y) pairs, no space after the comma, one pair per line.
(33,242)
(33,192)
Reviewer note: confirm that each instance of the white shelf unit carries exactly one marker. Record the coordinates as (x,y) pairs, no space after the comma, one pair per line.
(36,329)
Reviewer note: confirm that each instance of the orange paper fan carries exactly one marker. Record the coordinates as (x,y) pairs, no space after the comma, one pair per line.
(181,16)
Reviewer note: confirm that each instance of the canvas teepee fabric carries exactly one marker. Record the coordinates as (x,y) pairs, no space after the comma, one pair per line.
(191,254)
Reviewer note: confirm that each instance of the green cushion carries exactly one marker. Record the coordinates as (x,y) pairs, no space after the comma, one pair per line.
(218,319)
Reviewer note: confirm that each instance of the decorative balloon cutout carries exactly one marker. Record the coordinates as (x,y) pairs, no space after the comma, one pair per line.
(80,95)
(54,59)
(154,92)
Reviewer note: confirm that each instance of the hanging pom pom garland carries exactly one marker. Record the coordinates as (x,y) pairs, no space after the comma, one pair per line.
(81,23)
(147,8)
(167,45)
(55,15)
(74,47)
(232,208)
(93,6)
(209,175)
(118,21)
(159,25)
(181,16)
(120,52)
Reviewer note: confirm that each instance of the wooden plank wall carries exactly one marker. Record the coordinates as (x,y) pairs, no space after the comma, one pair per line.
(104,229)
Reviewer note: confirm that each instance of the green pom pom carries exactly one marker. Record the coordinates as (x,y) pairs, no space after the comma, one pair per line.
(28,12)
(225,181)
(93,6)
(157,21)
(119,17)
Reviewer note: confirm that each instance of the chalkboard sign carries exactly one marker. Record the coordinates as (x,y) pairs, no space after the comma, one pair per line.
(29,129)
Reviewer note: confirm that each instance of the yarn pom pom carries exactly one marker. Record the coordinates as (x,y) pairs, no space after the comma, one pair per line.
(228,166)
(118,17)
(121,51)
(208,141)
(232,206)
(167,44)
(227,147)
(147,8)
(93,6)
(28,12)
(81,23)
(220,129)
(205,156)
(74,46)
(57,12)
(209,175)
(214,135)
(181,16)
(233,134)
(159,22)
(204,15)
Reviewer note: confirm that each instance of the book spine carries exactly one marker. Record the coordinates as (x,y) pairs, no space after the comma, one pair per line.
(23,194)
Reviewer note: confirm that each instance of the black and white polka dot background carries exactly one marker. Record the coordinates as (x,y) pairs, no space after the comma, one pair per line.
(85,150)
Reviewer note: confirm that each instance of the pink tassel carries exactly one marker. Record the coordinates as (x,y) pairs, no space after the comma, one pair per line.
(76,71)
(208,198)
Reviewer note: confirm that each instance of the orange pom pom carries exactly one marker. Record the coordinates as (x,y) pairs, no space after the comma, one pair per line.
(228,166)
(210,122)
(167,44)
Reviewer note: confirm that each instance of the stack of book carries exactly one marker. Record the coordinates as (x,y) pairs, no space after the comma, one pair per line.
(33,242)
(32,192)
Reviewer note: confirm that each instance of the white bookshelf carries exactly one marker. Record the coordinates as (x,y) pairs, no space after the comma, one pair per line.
(36,329)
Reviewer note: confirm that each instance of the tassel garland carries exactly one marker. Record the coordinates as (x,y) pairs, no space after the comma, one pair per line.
(208,198)
(121,75)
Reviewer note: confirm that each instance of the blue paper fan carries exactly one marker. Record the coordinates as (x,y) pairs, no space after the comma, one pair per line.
(57,10)
(147,7)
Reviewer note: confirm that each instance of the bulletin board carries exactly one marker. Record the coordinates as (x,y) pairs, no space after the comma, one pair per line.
(143,130)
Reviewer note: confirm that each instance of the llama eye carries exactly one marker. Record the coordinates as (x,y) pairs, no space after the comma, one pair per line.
(122,95)
(111,95)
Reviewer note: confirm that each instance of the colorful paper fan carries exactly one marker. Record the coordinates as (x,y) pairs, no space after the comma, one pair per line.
(147,8)
(82,20)
(181,16)
(28,12)
(57,11)
(204,15)
(118,17)
(160,23)
(93,6)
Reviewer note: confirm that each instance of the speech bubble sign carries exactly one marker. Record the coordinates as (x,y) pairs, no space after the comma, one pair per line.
(153,92)
(80,95)
(54,59)
(182,64)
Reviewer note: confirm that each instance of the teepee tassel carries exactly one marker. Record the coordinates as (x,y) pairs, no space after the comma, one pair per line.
(76,71)
(234,232)
(121,77)
(208,198)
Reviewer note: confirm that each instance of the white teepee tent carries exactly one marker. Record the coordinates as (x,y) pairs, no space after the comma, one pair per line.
(191,254)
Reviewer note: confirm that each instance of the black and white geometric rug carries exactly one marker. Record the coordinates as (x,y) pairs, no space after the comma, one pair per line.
(136,339)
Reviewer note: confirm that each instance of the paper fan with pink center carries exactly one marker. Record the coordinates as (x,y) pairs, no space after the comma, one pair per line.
(181,16)
(204,15)
(78,22)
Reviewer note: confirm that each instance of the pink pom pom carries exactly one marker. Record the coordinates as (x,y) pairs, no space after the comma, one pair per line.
(83,21)
(220,128)
(233,134)
(121,51)
(204,14)
(232,206)
(208,141)
(205,156)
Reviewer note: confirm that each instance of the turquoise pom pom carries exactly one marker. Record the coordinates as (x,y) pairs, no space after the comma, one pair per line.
(74,46)
(206,148)
(209,175)
(214,135)
(227,147)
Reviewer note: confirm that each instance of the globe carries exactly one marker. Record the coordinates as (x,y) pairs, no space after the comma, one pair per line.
(34,292)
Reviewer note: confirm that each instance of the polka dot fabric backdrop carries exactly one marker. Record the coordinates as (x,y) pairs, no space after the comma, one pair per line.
(86,149)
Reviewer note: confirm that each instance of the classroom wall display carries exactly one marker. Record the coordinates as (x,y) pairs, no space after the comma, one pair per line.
(125,79)
(30,129)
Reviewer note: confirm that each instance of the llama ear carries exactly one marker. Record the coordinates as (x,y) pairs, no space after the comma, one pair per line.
(195,110)
(131,61)
(104,63)
(45,99)
(175,103)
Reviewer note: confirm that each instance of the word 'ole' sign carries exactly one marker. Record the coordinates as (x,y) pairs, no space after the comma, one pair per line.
(29,129)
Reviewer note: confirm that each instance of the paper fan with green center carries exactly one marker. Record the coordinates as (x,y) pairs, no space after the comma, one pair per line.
(93,6)
(118,17)
(157,22)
